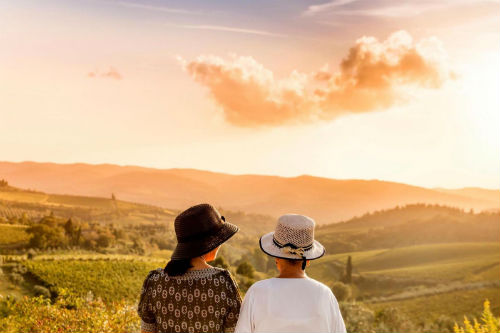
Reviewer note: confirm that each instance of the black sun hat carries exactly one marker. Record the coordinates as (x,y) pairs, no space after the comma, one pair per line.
(200,229)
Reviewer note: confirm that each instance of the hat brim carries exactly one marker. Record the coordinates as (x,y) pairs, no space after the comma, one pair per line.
(197,248)
(267,246)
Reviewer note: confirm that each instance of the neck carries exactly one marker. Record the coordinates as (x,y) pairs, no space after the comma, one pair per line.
(199,263)
(292,274)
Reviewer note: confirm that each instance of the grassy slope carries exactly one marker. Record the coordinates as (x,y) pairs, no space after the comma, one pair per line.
(454,304)
(17,202)
(436,261)
(440,263)
(17,195)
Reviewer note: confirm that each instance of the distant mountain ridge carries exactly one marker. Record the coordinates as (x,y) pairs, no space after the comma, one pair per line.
(326,200)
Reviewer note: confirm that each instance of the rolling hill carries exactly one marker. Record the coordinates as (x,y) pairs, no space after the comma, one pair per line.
(410,225)
(326,200)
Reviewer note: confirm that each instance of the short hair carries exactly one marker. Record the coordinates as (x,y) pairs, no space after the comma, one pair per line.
(293,262)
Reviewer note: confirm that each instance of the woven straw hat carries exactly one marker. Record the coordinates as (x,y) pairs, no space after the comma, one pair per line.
(199,230)
(292,239)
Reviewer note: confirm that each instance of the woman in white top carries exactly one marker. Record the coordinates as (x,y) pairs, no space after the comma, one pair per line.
(291,302)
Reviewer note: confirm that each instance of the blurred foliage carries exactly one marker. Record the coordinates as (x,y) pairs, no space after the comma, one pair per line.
(246,269)
(342,291)
(220,262)
(67,314)
(488,324)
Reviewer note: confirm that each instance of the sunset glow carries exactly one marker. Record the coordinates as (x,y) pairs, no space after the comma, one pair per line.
(404,91)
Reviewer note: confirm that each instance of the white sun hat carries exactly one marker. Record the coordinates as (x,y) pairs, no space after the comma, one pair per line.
(292,239)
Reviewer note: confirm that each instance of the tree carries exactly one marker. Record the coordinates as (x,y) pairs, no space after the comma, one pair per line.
(78,235)
(113,197)
(245,269)
(138,246)
(69,230)
(220,262)
(3,183)
(45,236)
(348,270)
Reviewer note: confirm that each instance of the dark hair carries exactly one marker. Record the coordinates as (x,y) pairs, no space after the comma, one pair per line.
(295,262)
(178,267)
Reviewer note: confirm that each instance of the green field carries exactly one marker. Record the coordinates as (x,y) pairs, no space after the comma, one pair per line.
(111,280)
(454,305)
(13,234)
(438,262)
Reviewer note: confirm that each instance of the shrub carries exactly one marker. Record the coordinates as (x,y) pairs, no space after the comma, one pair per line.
(41,291)
(341,291)
(490,324)
(21,269)
(357,318)
(16,278)
(31,254)
(392,320)
(104,240)
(442,324)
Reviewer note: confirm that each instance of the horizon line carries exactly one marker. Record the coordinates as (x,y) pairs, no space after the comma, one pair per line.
(437,187)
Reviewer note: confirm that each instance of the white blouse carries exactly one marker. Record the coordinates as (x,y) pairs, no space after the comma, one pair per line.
(290,305)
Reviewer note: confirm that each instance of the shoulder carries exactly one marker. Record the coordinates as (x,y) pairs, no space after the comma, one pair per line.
(224,273)
(221,277)
(262,285)
(227,278)
(149,281)
(321,289)
(153,276)
(318,285)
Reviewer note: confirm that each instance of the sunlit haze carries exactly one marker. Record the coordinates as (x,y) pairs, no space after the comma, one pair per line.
(404,91)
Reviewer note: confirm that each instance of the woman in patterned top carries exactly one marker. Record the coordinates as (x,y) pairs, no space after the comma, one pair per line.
(189,295)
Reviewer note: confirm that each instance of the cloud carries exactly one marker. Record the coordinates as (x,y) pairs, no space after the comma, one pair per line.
(316,9)
(373,76)
(394,9)
(230,29)
(111,73)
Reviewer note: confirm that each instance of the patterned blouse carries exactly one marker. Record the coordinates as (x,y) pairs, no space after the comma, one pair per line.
(206,300)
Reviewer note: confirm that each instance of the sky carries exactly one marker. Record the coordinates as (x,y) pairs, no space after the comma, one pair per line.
(395,90)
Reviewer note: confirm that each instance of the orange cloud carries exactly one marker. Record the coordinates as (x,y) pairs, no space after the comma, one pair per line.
(370,78)
(111,73)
